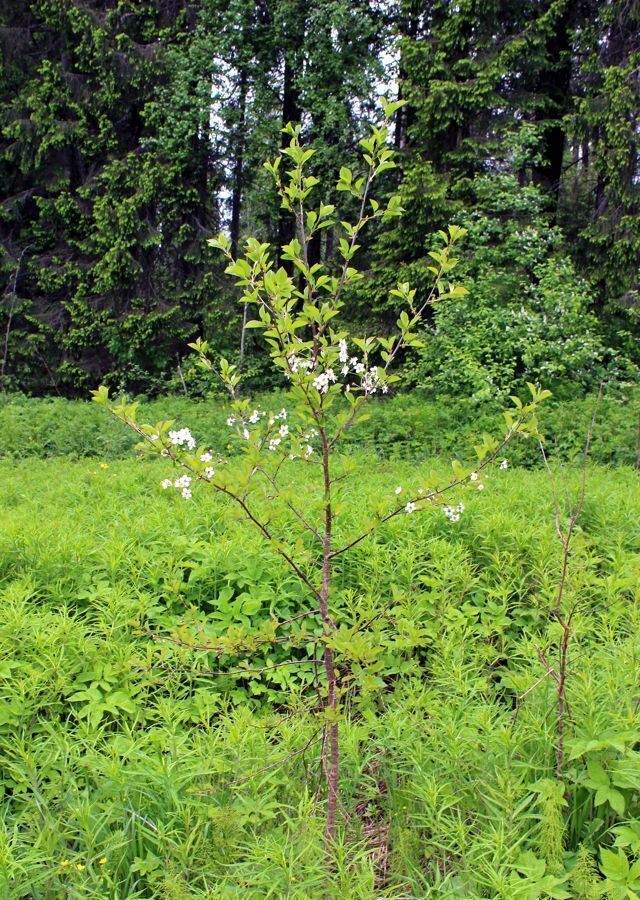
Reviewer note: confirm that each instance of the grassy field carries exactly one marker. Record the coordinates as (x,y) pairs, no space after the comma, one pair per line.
(132,766)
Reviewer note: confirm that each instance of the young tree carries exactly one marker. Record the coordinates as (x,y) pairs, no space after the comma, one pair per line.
(332,376)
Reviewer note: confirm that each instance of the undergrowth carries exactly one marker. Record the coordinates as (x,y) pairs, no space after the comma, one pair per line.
(130,768)
(407,426)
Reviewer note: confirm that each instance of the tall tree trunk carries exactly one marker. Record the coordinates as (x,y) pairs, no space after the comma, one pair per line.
(291,112)
(552,85)
(408,28)
(239,143)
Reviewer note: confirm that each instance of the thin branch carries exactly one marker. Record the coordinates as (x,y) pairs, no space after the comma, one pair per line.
(278,762)
(429,497)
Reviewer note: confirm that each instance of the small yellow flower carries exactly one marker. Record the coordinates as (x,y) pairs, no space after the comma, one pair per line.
(80,867)
(103,860)
(64,863)
(104,465)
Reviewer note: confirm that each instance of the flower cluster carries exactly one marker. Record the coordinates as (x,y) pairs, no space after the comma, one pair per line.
(453,512)
(371,382)
(504,464)
(370,378)
(322,381)
(297,364)
(183,484)
(184,436)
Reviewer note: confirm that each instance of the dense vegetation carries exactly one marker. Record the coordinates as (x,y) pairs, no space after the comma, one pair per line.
(130,132)
(340,640)
(118,751)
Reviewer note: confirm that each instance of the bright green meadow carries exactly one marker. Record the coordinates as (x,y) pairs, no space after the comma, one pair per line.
(136,767)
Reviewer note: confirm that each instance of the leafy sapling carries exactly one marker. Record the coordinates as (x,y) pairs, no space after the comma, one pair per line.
(332,375)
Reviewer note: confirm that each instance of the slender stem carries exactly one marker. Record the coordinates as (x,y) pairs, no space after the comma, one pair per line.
(333,775)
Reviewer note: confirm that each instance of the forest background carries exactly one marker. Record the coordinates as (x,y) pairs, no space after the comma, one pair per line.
(133,131)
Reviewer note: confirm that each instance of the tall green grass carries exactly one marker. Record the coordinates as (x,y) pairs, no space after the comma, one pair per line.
(123,762)
(407,426)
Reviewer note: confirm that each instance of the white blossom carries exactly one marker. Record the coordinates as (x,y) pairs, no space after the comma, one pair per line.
(184,436)
(322,381)
(410,507)
(183,482)
(453,514)
(504,464)
(166,483)
(209,473)
(231,421)
(253,418)
(284,430)
(398,490)
(473,476)
(343,353)
(186,493)
(206,457)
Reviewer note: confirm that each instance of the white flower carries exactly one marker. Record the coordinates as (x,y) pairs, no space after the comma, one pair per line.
(345,369)
(184,436)
(343,353)
(504,464)
(154,437)
(253,418)
(453,514)
(370,381)
(410,507)
(245,434)
(183,482)
(166,483)
(231,421)
(186,493)
(480,487)
(272,421)
(308,451)
(283,414)
(284,430)
(359,368)
(473,476)
(206,457)
(273,443)
(322,381)
(398,490)
(209,473)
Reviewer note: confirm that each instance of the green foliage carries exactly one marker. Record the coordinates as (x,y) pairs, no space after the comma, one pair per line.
(404,427)
(527,313)
(443,780)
